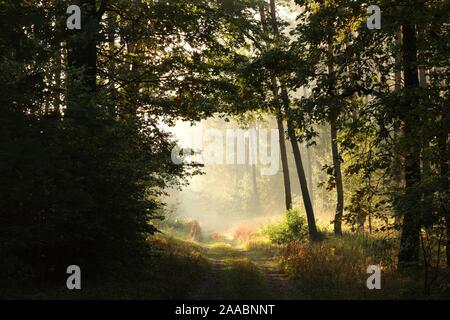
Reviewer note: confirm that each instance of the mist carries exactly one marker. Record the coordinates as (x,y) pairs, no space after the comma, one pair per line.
(242,180)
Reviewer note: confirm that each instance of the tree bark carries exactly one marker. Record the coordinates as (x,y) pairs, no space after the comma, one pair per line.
(82,62)
(284,163)
(334,146)
(312,228)
(396,168)
(443,166)
(280,126)
(410,239)
(310,174)
(444,175)
(338,177)
(313,234)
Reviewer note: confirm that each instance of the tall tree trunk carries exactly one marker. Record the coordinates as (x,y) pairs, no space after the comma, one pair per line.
(310,174)
(410,239)
(280,126)
(334,147)
(443,166)
(291,133)
(443,150)
(81,62)
(428,194)
(284,163)
(313,234)
(396,168)
(338,177)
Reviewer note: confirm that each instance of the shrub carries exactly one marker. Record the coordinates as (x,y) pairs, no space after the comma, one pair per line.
(216,236)
(337,268)
(243,234)
(292,228)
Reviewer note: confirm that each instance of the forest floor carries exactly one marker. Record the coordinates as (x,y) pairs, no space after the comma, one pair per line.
(182,269)
(227,269)
(238,273)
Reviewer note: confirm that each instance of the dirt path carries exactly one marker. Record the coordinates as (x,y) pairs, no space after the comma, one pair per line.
(279,281)
(239,274)
(209,288)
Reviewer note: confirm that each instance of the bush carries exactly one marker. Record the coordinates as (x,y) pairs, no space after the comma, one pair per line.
(337,269)
(216,236)
(242,234)
(69,194)
(292,228)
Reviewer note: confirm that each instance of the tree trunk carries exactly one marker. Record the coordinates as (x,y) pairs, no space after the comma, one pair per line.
(334,147)
(443,165)
(410,239)
(338,177)
(81,62)
(310,174)
(396,168)
(313,234)
(284,163)
(444,175)
(428,194)
(280,126)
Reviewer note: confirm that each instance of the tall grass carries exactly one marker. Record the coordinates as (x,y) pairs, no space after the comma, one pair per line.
(337,269)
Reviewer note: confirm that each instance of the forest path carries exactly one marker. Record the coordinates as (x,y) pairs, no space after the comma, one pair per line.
(237,273)
(278,279)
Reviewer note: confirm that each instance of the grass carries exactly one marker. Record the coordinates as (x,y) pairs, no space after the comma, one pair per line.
(263,247)
(171,272)
(176,269)
(337,269)
(239,277)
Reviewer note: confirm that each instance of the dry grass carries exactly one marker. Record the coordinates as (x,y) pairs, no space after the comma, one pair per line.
(263,246)
(243,234)
(337,269)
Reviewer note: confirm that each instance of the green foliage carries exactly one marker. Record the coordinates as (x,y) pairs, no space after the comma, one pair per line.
(292,228)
